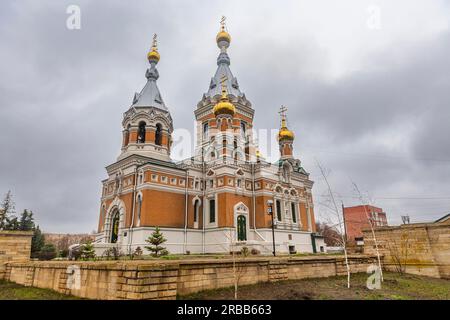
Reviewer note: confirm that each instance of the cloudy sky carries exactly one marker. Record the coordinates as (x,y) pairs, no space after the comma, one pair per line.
(367,84)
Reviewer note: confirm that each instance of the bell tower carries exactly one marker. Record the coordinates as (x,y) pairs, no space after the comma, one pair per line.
(224,116)
(147,124)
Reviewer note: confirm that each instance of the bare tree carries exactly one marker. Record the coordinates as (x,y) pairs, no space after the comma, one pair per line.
(398,250)
(331,236)
(238,264)
(334,208)
(369,218)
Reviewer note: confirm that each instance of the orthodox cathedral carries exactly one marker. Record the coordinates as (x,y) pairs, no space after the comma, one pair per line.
(225,197)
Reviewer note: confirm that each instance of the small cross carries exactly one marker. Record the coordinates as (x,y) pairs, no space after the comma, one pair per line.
(223,80)
(222,22)
(155,43)
(283,111)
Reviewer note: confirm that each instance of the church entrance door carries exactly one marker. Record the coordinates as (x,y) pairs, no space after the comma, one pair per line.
(115,227)
(241,228)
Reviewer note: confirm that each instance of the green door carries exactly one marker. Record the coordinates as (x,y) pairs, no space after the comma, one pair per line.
(241,228)
(115,228)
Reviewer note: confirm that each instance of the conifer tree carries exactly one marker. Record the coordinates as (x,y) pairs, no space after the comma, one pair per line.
(6,208)
(26,222)
(37,242)
(155,241)
(88,251)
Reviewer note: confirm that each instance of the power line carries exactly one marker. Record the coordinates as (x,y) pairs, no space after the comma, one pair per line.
(379,155)
(394,198)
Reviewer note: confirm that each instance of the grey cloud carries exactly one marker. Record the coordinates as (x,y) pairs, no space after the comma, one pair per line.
(63,93)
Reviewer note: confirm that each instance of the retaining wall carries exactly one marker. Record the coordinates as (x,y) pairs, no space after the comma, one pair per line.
(166,280)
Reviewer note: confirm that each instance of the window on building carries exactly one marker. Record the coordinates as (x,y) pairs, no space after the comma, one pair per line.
(141,132)
(158,134)
(212,211)
(278,205)
(139,206)
(205,131)
(196,209)
(243,129)
(127,136)
(294,213)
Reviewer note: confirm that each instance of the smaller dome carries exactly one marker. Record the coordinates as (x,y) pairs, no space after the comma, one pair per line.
(285,134)
(224,106)
(153,56)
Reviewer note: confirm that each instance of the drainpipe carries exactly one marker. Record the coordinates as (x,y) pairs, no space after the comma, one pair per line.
(254,203)
(130,237)
(204,202)
(185,210)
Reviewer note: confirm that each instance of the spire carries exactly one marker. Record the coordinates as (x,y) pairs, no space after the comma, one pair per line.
(153,56)
(223,40)
(150,95)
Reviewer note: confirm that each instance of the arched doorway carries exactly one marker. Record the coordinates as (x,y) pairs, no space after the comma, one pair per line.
(115,227)
(241,228)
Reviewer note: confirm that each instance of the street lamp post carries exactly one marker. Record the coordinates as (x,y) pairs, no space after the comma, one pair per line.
(270,212)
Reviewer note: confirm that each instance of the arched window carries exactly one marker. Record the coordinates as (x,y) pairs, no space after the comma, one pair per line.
(158,134)
(212,211)
(141,132)
(241,228)
(294,212)
(196,209)
(278,207)
(115,226)
(205,131)
(139,207)
(127,136)
(243,129)
(103,217)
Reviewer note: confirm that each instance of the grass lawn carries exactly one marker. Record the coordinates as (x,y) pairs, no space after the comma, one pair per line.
(13,291)
(394,287)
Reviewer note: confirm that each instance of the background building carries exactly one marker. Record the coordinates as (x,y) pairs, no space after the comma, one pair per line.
(358,218)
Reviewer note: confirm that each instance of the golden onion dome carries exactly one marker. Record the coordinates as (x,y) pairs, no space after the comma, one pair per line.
(285,133)
(224,106)
(153,56)
(223,36)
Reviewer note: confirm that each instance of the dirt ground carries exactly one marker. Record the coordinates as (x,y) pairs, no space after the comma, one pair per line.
(394,287)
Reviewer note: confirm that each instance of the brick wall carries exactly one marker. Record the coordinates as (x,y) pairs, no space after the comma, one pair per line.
(164,280)
(14,246)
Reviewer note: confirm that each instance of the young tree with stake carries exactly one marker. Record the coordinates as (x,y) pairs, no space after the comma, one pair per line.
(334,208)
